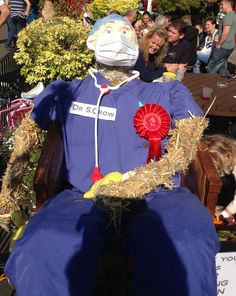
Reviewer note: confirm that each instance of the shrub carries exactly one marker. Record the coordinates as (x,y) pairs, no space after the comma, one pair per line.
(100,8)
(53,49)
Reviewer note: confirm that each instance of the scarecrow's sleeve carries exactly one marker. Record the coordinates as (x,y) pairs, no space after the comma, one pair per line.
(46,104)
(182,102)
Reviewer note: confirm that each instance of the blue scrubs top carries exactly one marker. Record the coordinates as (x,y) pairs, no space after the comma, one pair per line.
(120,148)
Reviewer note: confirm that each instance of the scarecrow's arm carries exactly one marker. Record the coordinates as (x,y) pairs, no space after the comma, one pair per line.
(26,139)
(181,150)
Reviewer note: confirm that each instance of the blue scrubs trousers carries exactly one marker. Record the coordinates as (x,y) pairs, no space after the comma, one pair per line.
(169,238)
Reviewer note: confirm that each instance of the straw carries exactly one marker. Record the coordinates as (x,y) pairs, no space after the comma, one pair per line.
(209,108)
(12,196)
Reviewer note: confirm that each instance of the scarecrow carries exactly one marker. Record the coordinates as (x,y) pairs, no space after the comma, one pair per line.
(125,140)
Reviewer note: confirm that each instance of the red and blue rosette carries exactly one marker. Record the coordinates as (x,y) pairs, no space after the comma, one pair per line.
(152,122)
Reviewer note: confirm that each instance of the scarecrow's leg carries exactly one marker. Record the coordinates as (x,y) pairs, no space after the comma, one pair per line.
(172,245)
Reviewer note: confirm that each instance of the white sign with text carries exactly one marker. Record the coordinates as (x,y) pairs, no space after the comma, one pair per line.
(88,110)
(226,273)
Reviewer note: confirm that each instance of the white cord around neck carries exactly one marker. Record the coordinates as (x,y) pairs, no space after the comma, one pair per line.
(104,89)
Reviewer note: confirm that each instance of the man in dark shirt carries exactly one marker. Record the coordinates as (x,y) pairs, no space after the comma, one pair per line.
(180,50)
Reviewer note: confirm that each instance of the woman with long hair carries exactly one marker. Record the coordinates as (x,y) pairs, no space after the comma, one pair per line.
(144,24)
(223,152)
(152,50)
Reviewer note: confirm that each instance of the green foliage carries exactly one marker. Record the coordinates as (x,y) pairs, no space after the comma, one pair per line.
(16,235)
(19,219)
(207,9)
(7,144)
(100,8)
(166,6)
(53,49)
(28,178)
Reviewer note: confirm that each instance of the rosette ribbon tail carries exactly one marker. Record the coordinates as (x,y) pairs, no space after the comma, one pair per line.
(154,152)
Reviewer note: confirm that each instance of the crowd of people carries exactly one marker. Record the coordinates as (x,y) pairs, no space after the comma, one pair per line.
(225,42)
(19,14)
(169,44)
(204,47)
(206,44)
(200,48)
